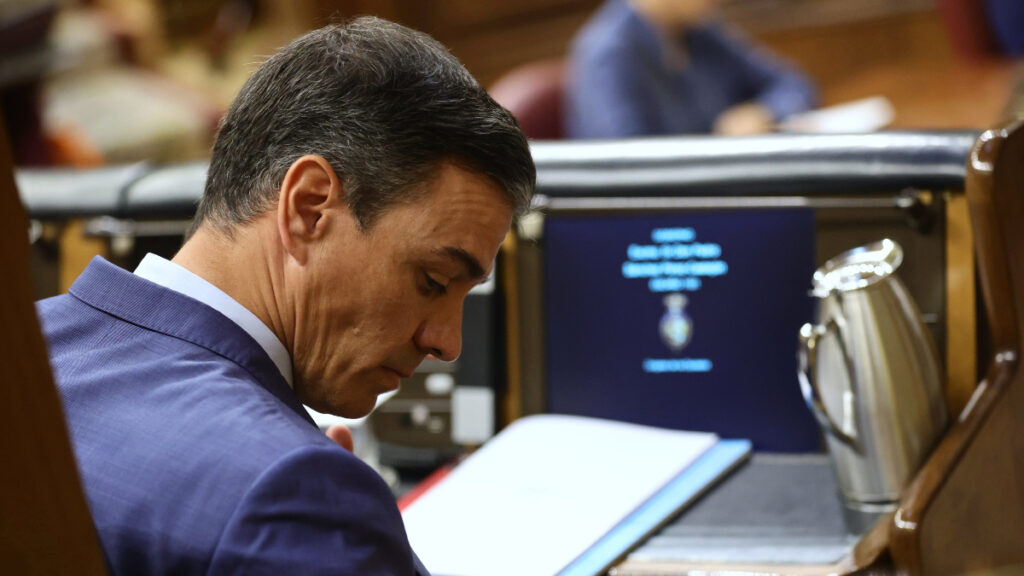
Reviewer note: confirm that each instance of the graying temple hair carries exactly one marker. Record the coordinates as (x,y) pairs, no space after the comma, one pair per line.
(385,105)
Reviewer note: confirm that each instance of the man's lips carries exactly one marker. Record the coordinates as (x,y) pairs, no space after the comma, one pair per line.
(402,373)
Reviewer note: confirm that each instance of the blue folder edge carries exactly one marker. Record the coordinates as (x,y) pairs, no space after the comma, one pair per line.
(700,476)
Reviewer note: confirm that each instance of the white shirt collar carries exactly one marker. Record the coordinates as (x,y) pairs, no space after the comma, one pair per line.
(174,277)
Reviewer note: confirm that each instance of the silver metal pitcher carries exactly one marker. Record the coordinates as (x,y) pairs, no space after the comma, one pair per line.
(869,371)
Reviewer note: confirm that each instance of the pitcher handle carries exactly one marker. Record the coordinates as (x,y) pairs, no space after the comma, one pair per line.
(807,357)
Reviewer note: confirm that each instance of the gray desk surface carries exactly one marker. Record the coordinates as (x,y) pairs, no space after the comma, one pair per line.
(775,509)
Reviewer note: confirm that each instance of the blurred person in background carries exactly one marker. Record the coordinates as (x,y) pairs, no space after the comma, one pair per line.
(652,67)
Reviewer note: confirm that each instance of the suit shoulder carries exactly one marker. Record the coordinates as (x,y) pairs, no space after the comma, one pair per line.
(316,509)
(324,463)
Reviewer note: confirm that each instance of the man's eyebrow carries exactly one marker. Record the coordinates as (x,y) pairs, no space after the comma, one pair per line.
(474,270)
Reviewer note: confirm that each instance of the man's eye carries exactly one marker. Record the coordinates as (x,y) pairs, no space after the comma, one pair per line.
(432,287)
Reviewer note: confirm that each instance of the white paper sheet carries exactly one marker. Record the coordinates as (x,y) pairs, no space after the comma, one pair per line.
(864,115)
(542,492)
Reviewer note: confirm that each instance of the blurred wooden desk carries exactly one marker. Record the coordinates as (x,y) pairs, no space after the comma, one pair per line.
(935,96)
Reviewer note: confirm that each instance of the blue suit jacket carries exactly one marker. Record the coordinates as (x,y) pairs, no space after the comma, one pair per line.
(195,454)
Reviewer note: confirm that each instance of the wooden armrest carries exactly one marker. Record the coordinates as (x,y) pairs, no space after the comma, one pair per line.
(964,512)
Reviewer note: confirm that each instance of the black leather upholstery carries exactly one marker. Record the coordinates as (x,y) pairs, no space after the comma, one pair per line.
(776,164)
(753,166)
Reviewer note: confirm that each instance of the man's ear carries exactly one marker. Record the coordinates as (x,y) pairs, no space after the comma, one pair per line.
(310,188)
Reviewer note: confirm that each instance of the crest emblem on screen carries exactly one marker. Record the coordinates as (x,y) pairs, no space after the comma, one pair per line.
(676,326)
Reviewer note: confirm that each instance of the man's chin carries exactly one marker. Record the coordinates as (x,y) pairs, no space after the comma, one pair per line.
(351,408)
(358,410)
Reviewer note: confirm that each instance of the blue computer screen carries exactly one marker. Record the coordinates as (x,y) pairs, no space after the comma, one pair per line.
(686,321)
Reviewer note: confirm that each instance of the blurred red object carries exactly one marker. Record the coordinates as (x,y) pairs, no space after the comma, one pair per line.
(969,32)
(533,93)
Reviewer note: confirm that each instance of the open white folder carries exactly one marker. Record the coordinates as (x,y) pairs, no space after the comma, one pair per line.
(562,495)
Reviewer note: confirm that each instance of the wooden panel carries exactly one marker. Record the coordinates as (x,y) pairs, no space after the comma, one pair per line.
(975,524)
(831,40)
(76,251)
(762,16)
(961,324)
(490,38)
(327,10)
(488,56)
(965,509)
(468,14)
(832,53)
(935,95)
(530,268)
(829,49)
(45,527)
(511,405)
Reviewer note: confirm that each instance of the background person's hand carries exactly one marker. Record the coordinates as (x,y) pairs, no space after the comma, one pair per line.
(342,436)
(744,119)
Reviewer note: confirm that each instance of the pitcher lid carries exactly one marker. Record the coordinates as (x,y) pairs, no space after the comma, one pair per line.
(858,268)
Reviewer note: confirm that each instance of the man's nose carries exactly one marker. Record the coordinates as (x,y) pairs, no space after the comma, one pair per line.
(441,334)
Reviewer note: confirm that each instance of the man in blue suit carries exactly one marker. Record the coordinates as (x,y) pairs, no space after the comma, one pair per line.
(360,185)
(654,67)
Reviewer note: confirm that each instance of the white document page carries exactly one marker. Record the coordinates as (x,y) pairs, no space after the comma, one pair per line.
(865,115)
(542,492)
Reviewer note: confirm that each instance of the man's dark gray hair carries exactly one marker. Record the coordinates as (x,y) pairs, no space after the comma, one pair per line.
(386,106)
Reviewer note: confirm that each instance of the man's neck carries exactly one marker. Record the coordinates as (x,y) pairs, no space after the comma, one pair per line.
(245,266)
